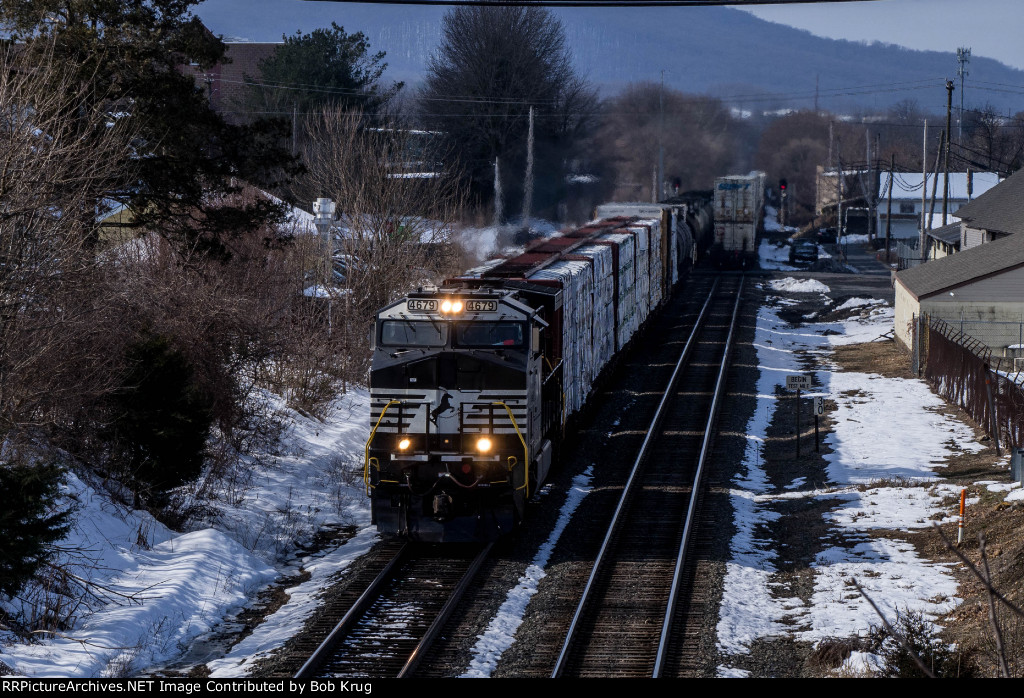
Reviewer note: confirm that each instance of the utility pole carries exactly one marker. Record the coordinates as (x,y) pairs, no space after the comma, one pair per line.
(839,202)
(888,209)
(924,185)
(528,184)
(295,128)
(323,217)
(945,188)
(963,57)
(935,180)
(869,196)
(661,141)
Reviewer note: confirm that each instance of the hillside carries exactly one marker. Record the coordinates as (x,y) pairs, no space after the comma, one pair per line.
(713,50)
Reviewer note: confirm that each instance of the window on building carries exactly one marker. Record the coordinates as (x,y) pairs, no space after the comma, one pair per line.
(906,208)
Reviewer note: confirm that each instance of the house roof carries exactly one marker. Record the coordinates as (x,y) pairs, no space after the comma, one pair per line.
(948,233)
(963,267)
(1001,209)
(907,185)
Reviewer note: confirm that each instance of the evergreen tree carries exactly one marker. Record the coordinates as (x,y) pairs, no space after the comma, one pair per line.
(30,521)
(327,67)
(162,419)
(186,159)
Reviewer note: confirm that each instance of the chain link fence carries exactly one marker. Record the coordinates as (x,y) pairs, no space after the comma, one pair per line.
(964,371)
(1005,338)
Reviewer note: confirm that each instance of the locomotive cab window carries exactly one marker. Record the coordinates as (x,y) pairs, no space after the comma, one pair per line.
(489,334)
(413,333)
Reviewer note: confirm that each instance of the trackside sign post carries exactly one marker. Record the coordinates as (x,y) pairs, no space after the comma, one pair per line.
(819,409)
(798,383)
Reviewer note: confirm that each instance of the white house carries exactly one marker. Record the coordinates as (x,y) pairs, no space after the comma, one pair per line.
(907,193)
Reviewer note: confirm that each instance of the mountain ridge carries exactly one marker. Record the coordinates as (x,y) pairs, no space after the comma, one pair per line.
(719,51)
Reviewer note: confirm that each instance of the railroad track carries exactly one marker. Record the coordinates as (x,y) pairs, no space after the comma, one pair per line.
(627,622)
(388,630)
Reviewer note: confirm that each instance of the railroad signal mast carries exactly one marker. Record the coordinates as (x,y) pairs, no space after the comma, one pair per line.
(783,197)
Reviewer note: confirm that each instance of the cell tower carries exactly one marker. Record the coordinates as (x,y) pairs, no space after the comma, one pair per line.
(963,57)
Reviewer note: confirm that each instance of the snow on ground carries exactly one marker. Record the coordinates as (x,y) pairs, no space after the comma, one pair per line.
(774,256)
(852,303)
(887,436)
(859,239)
(798,286)
(155,599)
(160,591)
(164,589)
(501,631)
(771,221)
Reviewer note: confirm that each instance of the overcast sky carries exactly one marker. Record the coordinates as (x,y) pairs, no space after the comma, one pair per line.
(990,28)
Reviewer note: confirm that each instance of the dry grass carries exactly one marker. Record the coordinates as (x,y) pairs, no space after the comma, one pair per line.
(1001,523)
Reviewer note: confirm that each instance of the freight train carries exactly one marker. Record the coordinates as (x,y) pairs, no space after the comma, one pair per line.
(739,219)
(473,382)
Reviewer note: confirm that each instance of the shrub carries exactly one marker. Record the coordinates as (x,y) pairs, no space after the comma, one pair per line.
(162,420)
(921,636)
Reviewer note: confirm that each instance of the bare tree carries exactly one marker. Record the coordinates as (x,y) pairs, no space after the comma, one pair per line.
(991,141)
(54,166)
(697,133)
(397,209)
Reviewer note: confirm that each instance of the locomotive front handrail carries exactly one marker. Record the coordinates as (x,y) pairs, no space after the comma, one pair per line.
(526,450)
(373,433)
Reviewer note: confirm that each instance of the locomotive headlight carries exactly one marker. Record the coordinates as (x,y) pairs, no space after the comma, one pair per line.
(404,443)
(450,306)
(483,444)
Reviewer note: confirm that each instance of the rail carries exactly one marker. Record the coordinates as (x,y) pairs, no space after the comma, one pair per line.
(633,477)
(352,615)
(695,491)
(401,566)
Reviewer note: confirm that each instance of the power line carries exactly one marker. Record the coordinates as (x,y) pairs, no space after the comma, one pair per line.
(882,88)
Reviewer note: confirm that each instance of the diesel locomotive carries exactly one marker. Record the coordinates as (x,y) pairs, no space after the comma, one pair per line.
(473,382)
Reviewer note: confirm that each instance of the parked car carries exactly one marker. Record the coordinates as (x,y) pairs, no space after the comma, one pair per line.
(803,251)
(827,235)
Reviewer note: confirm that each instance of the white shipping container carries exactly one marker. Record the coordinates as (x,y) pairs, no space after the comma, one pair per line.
(642,262)
(737,210)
